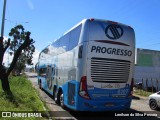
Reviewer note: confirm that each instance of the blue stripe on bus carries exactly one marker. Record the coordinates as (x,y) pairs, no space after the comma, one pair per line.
(100,104)
(69,100)
(74,101)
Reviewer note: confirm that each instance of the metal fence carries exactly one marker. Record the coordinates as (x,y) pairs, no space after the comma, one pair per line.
(148,84)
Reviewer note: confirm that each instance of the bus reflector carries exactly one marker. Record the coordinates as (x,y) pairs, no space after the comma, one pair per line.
(83,88)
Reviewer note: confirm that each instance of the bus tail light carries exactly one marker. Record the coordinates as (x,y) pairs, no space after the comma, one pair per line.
(131,88)
(83,88)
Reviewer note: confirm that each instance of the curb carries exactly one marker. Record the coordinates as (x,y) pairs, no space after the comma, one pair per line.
(140,97)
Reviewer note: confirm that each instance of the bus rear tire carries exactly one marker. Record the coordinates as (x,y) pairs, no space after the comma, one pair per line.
(40,84)
(56,97)
(62,100)
(54,93)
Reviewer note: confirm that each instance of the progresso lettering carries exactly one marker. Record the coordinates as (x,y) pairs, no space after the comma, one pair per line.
(113,51)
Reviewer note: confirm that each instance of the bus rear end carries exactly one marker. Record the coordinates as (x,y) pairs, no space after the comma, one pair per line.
(107,83)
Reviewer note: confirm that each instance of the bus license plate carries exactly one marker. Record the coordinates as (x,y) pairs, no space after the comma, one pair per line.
(109,104)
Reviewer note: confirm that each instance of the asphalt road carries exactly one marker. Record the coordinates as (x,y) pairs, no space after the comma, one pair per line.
(139,108)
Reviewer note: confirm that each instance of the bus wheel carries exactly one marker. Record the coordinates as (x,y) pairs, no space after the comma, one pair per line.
(40,85)
(54,93)
(62,100)
(57,97)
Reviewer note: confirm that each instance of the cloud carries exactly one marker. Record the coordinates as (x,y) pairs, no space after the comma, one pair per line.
(30,4)
(35,57)
(8,59)
(5,38)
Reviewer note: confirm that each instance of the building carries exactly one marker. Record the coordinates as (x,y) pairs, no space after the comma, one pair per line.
(147,67)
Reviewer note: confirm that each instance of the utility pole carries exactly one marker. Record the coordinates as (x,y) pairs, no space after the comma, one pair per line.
(3,18)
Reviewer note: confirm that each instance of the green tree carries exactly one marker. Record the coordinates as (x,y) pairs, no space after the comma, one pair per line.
(22,48)
(26,54)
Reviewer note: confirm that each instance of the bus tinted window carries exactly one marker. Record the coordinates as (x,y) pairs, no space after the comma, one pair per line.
(74,37)
(42,72)
(64,42)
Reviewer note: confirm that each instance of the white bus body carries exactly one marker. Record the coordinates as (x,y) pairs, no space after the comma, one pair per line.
(90,68)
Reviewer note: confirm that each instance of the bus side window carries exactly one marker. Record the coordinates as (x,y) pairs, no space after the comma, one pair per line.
(74,37)
(42,72)
(64,43)
(53,71)
(80,51)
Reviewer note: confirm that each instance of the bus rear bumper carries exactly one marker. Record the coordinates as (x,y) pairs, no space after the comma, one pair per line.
(104,105)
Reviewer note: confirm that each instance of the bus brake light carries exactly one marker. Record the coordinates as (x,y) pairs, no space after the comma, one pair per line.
(83,88)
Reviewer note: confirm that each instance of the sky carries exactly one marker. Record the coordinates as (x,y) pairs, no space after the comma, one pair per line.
(48,20)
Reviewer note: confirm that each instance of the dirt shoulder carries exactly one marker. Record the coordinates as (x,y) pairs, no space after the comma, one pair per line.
(55,111)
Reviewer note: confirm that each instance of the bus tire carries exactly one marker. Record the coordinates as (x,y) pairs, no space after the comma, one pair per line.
(40,84)
(54,93)
(57,97)
(62,100)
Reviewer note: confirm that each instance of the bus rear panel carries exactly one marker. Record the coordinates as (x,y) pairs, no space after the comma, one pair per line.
(107,82)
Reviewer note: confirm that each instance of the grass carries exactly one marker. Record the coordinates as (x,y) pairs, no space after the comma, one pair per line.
(141,92)
(25,97)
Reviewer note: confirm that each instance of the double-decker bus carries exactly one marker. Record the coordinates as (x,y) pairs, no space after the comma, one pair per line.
(90,67)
